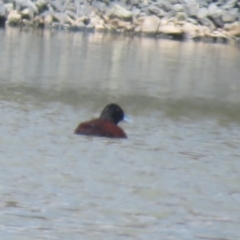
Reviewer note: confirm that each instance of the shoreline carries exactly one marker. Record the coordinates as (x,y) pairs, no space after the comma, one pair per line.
(198,20)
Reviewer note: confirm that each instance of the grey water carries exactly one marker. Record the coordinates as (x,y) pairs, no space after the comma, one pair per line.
(176,177)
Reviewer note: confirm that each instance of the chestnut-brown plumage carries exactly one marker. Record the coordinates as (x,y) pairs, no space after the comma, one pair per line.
(105,125)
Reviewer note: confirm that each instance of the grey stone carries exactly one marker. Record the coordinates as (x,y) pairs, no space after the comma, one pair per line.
(153,9)
(42,5)
(214,11)
(228,17)
(134,2)
(192,20)
(150,24)
(174,1)
(208,23)
(136,12)
(202,13)
(71,14)
(26,4)
(142,14)
(3,10)
(60,17)
(192,9)
(119,12)
(27,13)
(178,8)
(203,3)
(218,22)
(143,5)
(165,6)
(180,16)
(229,4)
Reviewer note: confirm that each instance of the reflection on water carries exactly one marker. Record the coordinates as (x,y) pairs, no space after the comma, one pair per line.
(176,177)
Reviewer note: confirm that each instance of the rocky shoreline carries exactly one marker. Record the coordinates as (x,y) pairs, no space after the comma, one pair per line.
(181,19)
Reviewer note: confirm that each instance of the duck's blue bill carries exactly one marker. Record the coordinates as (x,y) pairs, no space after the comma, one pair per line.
(127,119)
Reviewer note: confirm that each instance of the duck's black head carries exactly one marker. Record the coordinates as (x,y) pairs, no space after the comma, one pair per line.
(113,113)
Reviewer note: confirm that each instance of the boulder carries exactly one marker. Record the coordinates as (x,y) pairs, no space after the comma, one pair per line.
(190,30)
(192,9)
(26,4)
(164,5)
(38,21)
(170,29)
(214,11)
(14,18)
(150,24)
(178,8)
(3,16)
(27,13)
(48,20)
(41,5)
(119,12)
(117,23)
(232,29)
(202,13)
(228,17)
(229,4)
(208,23)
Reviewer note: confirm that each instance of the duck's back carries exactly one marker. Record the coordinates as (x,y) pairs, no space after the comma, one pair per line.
(100,128)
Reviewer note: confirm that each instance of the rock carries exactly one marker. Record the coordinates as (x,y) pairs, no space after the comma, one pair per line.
(170,29)
(26,4)
(134,2)
(117,23)
(41,5)
(180,17)
(136,12)
(79,25)
(156,10)
(208,23)
(192,9)
(100,25)
(192,31)
(3,16)
(26,23)
(202,13)
(138,29)
(71,14)
(218,22)
(164,5)
(62,18)
(57,6)
(203,3)
(150,24)
(14,18)
(232,29)
(193,21)
(217,35)
(119,12)
(9,7)
(214,11)
(228,17)
(96,20)
(38,21)
(110,28)
(48,20)
(27,13)
(178,8)
(229,4)
(175,1)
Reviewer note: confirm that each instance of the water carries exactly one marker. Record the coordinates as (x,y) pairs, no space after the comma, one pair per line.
(177,176)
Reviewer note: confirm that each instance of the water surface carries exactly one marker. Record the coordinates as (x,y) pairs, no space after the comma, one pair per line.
(177,176)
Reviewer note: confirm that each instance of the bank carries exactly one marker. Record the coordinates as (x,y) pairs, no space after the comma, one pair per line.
(180,19)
